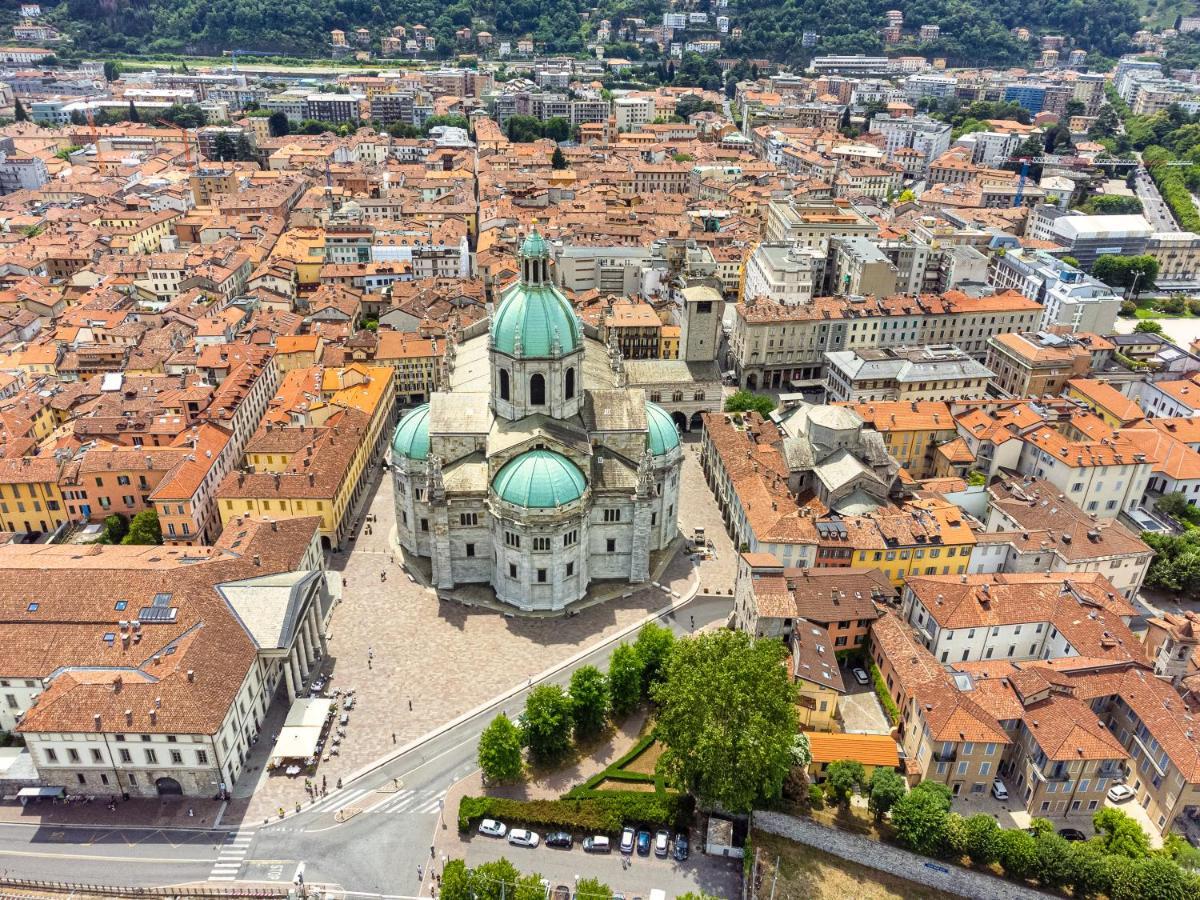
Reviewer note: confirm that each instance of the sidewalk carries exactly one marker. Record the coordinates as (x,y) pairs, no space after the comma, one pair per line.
(128,814)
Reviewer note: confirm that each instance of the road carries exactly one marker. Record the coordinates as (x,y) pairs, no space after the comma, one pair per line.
(377,850)
(1153,207)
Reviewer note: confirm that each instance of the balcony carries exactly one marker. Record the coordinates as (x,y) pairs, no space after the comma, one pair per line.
(941,757)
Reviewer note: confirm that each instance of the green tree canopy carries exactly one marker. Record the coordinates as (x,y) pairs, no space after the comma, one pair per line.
(653,646)
(500,750)
(1120,833)
(625,670)
(557,160)
(548,722)
(884,790)
(920,818)
(278,124)
(144,529)
(842,778)
(1122,271)
(589,701)
(727,718)
(744,401)
(982,839)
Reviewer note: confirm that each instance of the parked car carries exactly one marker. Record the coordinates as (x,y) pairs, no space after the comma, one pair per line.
(1119,793)
(627,838)
(643,843)
(597,844)
(681,846)
(492,828)
(520,837)
(662,843)
(861,676)
(1072,834)
(560,839)
(999,791)
(562,892)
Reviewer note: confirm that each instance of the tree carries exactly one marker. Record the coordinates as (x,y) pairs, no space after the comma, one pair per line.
(278,124)
(1106,125)
(920,818)
(801,751)
(589,701)
(500,750)
(557,129)
(625,680)
(592,889)
(842,778)
(727,717)
(1138,272)
(1092,870)
(1148,326)
(547,727)
(884,790)
(1157,878)
(116,526)
(1121,834)
(19,111)
(144,529)
(223,147)
(557,160)
(133,115)
(653,646)
(982,839)
(456,881)
(500,880)
(523,129)
(1018,853)
(112,70)
(1054,867)
(744,401)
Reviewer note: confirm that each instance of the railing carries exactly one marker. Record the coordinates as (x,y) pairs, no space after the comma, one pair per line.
(66,887)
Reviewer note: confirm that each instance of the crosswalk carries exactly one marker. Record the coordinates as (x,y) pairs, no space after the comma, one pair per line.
(408,801)
(232,855)
(339,799)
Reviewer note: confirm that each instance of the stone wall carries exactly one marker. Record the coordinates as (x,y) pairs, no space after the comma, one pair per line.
(893,860)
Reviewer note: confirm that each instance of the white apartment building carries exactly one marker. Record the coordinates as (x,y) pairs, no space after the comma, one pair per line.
(633,111)
(1100,477)
(786,273)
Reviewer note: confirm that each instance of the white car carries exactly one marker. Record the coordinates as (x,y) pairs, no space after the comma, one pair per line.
(492,828)
(627,836)
(519,837)
(861,676)
(1119,793)
(999,791)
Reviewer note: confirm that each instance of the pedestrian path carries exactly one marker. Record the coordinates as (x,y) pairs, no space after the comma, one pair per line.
(407,801)
(232,855)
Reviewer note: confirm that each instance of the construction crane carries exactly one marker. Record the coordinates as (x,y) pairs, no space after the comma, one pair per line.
(234,54)
(187,144)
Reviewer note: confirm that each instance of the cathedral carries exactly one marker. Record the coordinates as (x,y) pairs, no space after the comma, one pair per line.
(535,469)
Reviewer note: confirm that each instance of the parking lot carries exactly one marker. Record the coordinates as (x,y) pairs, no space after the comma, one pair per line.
(717,876)
(859,708)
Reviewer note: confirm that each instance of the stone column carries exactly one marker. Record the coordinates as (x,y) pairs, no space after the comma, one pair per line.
(294,670)
(305,651)
(287,676)
(314,622)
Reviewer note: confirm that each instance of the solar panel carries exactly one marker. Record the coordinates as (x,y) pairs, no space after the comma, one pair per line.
(162,599)
(157,614)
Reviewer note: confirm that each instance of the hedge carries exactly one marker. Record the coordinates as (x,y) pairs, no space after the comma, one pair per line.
(606,813)
(885,697)
(1170,183)
(616,771)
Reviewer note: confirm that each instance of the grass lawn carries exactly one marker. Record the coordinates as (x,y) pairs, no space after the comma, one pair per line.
(1155,314)
(806,873)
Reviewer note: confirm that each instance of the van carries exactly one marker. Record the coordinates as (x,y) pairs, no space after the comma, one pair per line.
(597,844)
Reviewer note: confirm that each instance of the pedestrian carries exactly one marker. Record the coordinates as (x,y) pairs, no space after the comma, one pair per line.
(393,737)
(410,705)
(324,780)
(431,854)
(420,873)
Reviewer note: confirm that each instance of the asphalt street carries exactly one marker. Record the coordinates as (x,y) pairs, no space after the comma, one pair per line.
(389,816)
(1153,207)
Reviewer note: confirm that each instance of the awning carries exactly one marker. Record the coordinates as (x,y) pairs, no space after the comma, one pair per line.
(296,743)
(308,712)
(40,792)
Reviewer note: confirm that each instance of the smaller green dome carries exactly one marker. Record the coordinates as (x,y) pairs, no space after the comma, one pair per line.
(411,437)
(661,434)
(539,479)
(535,245)
(535,317)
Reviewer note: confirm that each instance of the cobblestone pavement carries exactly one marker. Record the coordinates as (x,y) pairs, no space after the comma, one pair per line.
(433,661)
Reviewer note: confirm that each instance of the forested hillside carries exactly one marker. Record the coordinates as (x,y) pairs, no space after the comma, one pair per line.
(973,31)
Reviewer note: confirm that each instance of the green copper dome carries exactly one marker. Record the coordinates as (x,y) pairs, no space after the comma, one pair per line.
(535,314)
(661,434)
(411,437)
(535,245)
(539,479)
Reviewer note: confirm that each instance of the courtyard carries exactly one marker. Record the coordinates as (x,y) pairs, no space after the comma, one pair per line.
(416,662)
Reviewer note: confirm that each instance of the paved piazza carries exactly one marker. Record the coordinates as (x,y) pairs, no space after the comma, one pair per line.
(444,658)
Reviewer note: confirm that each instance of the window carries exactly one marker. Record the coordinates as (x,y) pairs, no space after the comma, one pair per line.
(176,757)
(151,756)
(51,755)
(512,570)
(97,756)
(570,569)
(202,757)
(132,779)
(612,515)
(504,385)
(72,755)
(126,756)
(571,538)
(610,545)
(470,549)
(541,576)
(512,539)
(468,518)
(569,384)
(541,544)
(425,525)
(537,389)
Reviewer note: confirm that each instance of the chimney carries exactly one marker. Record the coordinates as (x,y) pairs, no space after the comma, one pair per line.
(191,675)
(129,717)
(274,525)
(157,702)
(153,717)
(96,720)
(257,560)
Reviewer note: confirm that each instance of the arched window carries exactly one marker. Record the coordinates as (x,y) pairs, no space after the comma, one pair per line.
(537,390)
(504,384)
(569,387)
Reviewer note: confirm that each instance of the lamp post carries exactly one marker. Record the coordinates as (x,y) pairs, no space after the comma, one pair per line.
(1136,273)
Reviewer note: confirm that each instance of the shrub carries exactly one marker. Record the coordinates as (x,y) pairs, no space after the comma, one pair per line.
(885,698)
(604,813)
(816,797)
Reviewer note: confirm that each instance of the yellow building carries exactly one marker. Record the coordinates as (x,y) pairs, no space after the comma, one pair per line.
(30,499)
(814,669)
(912,432)
(305,248)
(925,537)
(668,342)
(319,466)
(1117,410)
